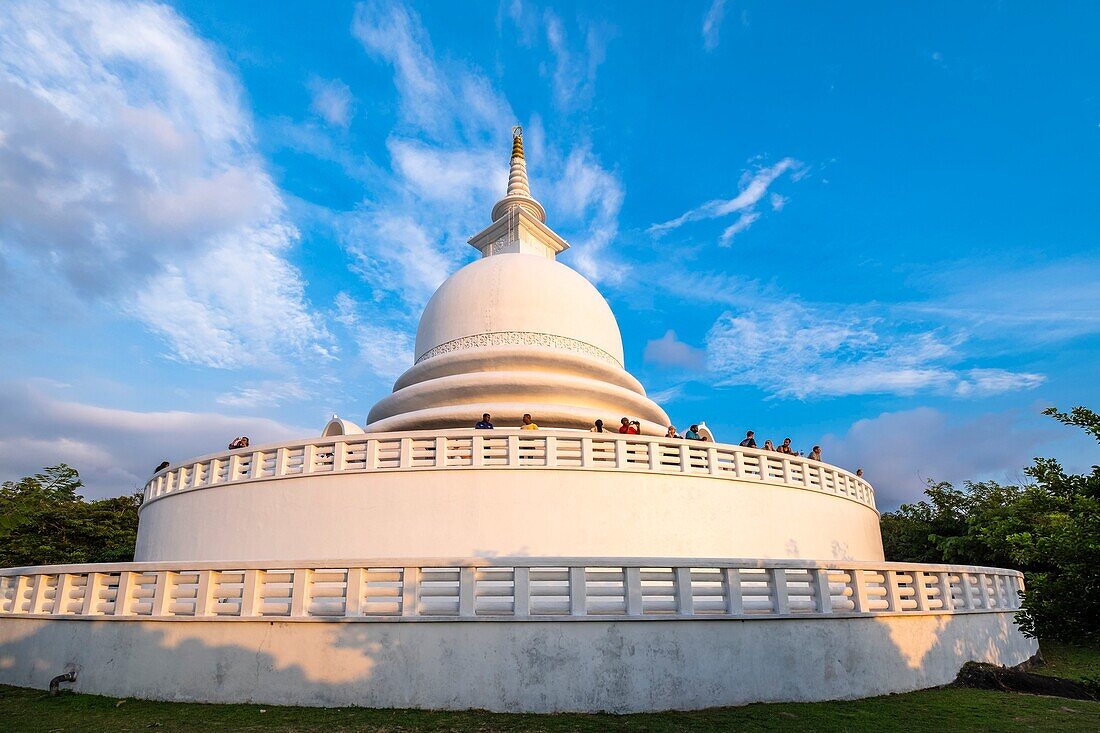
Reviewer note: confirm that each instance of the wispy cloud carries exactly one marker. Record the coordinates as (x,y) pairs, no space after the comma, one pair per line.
(793,350)
(386,350)
(711,24)
(115,450)
(753,187)
(129,174)
(449,157)
(331,99)
(901,451)
(1032,304)
(574,74)
(669,351)
(984,382)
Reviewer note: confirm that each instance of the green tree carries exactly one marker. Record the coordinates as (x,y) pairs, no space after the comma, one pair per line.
(44,521)
(1049,529)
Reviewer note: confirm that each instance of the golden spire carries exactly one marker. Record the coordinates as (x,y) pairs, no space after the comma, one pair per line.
(519,221)
(518,184)
(519,188)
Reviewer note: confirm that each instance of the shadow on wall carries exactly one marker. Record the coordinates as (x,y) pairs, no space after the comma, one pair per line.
(507,666)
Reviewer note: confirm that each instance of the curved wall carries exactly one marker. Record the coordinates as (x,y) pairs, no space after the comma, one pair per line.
(487,512)
(552,666)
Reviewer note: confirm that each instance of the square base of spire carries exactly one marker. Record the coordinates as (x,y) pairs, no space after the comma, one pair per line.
(518,231)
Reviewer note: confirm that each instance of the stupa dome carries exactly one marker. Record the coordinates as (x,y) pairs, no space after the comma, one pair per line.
(517,332)
(513,299)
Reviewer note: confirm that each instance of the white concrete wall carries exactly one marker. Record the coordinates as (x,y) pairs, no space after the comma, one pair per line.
(542,512)
(618,666)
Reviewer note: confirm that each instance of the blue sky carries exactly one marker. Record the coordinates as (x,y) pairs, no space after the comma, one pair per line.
(872,228)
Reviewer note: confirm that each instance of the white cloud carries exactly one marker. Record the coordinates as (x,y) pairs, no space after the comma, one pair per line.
(114,450)
(453,176)
(331,100)
(669,394)
(574,76)
(1037,304)
(900,451)
(450,158)
(669,351)
(386,350)
(743,222)
(587,198)
(128,170)
(982,382)
(794,350)
(712,22)
(265,393)
(754,185)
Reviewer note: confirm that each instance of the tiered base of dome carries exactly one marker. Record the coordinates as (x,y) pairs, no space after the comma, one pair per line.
(530,635)
(507,380)
(506,492)
(601,572)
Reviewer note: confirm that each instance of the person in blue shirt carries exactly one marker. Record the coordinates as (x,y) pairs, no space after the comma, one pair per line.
(484,424)
(693,433)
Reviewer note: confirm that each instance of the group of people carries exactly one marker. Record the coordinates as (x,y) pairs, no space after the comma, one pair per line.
(785,447)
(629,427)
(691,434)
(626,427)
(486,422)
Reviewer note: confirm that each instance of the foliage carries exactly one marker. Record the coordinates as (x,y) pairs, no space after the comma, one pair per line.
(44,521)
(1049,529)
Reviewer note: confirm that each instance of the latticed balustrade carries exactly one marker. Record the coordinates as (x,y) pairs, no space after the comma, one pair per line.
(506,589)
(507,449)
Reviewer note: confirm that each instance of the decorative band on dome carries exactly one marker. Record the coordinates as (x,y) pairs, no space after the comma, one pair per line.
(520,338)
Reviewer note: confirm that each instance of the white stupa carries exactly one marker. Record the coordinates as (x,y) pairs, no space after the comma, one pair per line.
(517,332)
(419,562)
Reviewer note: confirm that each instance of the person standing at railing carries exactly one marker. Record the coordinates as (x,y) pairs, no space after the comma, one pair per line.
(241,442)
(768,445)
(484,423)
(693,433)
(528,424)
(749,441)
(859,473)
(786,448)
(627,427)
(597,427)
(815,454)
(672,432)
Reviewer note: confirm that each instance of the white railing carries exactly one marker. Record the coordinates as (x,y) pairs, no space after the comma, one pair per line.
(507,449)
(504,589)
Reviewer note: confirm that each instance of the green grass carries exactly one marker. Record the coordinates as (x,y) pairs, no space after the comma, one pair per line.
(1068,660)
(939,711)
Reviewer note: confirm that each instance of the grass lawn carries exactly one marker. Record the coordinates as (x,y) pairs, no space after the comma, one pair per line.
(938,711)
(1074,662)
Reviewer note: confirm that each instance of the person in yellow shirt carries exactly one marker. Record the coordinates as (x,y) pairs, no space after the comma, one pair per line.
(527,424)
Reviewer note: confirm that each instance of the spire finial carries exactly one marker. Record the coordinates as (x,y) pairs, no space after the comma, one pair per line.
(518,185)
(517,141)
(519,221)
(519,188)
